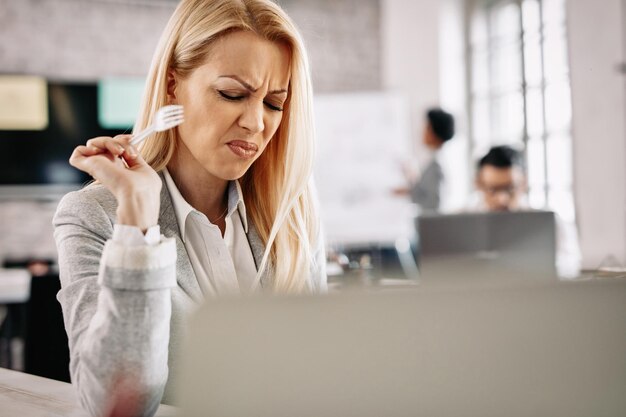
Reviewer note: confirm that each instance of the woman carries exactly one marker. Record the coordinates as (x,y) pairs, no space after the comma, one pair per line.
(221,204)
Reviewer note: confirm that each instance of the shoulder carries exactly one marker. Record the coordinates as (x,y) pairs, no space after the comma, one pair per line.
(93,205)
(433,169)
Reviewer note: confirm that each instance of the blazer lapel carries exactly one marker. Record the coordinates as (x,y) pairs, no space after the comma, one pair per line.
(185,275)
(258,249)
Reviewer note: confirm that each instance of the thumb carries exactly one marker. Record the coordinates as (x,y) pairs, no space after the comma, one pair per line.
(133,158)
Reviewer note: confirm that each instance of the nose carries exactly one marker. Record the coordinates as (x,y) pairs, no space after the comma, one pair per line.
(504,199)
(252,118)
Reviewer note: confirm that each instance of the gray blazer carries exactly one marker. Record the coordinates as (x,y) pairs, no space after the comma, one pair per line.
(125,316)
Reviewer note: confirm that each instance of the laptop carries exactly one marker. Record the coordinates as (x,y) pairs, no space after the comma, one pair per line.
(556,350)
(486,248)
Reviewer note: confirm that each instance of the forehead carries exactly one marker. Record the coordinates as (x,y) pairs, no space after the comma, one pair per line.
(258,61)
(490,174)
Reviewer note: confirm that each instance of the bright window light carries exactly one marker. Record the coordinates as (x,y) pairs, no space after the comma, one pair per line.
(520,92)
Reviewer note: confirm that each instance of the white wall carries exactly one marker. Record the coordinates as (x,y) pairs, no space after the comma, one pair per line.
(452,86)
(410,55)
(88,40)
(596,48)
(423,57)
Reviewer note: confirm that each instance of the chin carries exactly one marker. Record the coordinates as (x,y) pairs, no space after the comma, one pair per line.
(234,173)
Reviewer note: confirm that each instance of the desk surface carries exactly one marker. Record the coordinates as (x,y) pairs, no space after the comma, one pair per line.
(27,395)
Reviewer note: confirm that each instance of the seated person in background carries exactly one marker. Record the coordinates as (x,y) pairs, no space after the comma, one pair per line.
(502,186)
(425,191)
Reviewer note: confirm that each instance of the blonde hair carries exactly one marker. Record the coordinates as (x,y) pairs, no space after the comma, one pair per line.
(277,188)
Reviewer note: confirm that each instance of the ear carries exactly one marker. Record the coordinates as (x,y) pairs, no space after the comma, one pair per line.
(172,83)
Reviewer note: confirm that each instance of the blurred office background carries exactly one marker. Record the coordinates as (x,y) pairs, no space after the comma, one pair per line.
(543,75)
(546,76)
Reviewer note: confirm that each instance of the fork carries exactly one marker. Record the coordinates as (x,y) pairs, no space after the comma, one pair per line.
(165,118)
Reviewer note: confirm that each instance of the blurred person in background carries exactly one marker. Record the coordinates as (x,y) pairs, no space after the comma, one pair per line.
(501,186)
(222,204)
(500,181)
(425,190)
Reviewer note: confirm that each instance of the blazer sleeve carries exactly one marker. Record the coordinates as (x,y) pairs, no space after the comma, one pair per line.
(116,305)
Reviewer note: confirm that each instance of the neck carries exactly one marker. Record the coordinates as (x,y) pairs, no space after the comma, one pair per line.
(203,191)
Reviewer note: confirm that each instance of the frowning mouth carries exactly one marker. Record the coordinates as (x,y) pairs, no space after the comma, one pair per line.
(243,149)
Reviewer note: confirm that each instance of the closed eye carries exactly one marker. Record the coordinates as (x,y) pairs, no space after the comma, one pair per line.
(234,97)
(230,96)
(273,107)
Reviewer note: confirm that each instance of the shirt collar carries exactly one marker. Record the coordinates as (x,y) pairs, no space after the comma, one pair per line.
(182,208)
(235,202)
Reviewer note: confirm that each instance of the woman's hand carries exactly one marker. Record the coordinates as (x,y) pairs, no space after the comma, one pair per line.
(135,185)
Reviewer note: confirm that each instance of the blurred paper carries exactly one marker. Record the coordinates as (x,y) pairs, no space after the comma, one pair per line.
(23,103)
(361,139)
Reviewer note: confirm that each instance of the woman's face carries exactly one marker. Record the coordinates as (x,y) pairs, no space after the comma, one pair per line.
(233,104)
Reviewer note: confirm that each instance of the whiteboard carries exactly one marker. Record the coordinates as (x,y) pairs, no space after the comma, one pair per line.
(361,140)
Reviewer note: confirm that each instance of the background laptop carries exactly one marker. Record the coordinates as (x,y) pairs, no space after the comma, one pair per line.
(486,248)
(556,350)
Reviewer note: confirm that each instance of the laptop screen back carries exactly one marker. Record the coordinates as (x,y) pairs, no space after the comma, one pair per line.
(486,247)
(540,350)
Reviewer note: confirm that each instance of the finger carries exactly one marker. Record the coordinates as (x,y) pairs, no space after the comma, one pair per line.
(109,144)
(86,150)
(81,152)
(79,158)
(104,167)
(83,156)
(130,151)
(78,153)
(99,142)
(124,141)
(133,158)
(114,147)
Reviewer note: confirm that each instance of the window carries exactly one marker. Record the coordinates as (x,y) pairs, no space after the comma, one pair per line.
(520,92)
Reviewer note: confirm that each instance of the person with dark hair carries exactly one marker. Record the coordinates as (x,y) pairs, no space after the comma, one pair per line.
(500,178)
(426,191)
(441,125)
(501,184)
(502,156)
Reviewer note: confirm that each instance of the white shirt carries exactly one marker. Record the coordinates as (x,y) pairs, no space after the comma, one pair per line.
(223,265)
